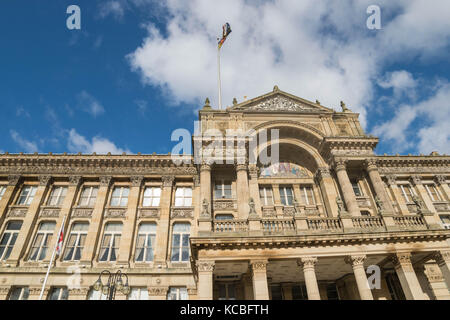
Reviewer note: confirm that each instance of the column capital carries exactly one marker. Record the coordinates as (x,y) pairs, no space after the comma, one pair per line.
(253,171)
(205,266)
(440,179)
(75,180)
(355,260)
(241,167)
(323,172)
(402,259)
(136,181)
(44,180)
(167,181)
(416,179)
(307,262)
(205,167)
(105,181)
(371,164)
(442,257)
(259,265)
(340,164)
(13,179)
(391,179)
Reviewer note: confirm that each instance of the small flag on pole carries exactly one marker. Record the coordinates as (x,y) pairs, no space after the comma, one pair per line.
(226,31)
(60,240)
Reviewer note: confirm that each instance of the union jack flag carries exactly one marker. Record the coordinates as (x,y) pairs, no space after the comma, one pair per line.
(226,31)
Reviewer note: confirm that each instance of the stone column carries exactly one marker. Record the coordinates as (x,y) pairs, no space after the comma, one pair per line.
(378,185)
(162,229)
(28,222)
(392,183)
(442,183)
(129,227)
(259,276)
(93,235)
(328,190)
(254,188)
(205,183)
(205,270)
(13,185)
(357,263)
(248,286)
(242,191)
(442,258)
(416,181)
(308,266)
(347,190)
(408,278)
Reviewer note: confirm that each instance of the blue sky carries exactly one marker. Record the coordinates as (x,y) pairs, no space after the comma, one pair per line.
(139,69)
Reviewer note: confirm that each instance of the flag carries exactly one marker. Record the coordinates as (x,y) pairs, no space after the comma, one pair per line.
(60,240)
(226,31)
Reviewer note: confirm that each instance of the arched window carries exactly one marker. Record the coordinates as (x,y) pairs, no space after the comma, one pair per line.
(180,242)
(75,244)
(41,241)
(145,243)
(111,242)
(9,238)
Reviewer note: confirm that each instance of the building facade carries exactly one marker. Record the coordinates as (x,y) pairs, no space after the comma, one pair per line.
(323,221)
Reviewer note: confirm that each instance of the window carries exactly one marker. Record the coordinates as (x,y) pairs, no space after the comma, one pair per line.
(59,294)
(227,291)
(120,197)
(97,295)
(88,196)
(19,293)
(407,192)
(177,294)
(145,243)
(183,197)
(111,242)
(445,221)
(365,214)
(57,196)
(332,293)
(180,242)
(40,245)
(27,195)
(224,217)
(266,195)
(75,244)
(277,294)
(152,197)
(433,192)
(9,238)
(307,195)
(356,189)
(286,196)
(2,191)
(299,292)
(222,189)
(138,294)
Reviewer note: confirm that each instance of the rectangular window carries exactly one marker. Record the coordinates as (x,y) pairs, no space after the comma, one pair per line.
(152,197)
(119,197)
(111,242)
(19,293)
(75,243)
(445,221)
(59,294)
(407,192)
(299,292)
(57,196)
(307,195)
(266,196)
(27,195)
(180,242)
(227,291)
(138,294)
(145,243)
(88,196)
(433,192)
(286,195)
(177,294)
(41,242)
(356,189)
(332,293)
(2,191)
(222,189)
(183,197)
(9,238)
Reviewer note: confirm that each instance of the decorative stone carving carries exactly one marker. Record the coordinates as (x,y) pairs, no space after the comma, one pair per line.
(371,164)
(340,205)
(75,180)
(205,167)
(441,257)
(340,164)
(259,265)
(196,180)
(49,213)
(205,208)
(391,179)
(44,180)
(253,171)
(419,203)
(379,204)
(13,179)
(182,213)
(167,181)
(83,292)
(241,167)
(105,181)
(4,290)
(268,212)
(82,212)
(224,204)
(281,103)
(402,260)
(289,211)
(148,213)
(115,213)
(440,179)
(307,262)
(323,172)
(356,260)
(205,266)
(251,204)
(416,179)
(157,291)
(136,181)
(344,107)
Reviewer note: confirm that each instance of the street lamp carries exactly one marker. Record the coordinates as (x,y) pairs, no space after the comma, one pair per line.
(114,283)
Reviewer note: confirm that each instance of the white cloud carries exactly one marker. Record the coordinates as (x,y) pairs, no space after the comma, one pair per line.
(78,143)
(26,145)
(401,82)
(113,7)
(434,135)
(20,111)
(141,106)
(314,49)
(90,104)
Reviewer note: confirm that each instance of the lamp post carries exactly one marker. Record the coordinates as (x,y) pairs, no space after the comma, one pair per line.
(114,283)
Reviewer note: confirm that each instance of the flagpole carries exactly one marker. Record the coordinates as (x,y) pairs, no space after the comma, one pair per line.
(51,260)
(218,78)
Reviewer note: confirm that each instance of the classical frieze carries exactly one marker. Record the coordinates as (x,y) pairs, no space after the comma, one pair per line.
(115,212)
(17,212)
(49,212)
(82,212)
(148,213)
(280,103)
(183,212)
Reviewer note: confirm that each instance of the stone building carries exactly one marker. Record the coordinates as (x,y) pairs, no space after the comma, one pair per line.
(322,222)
